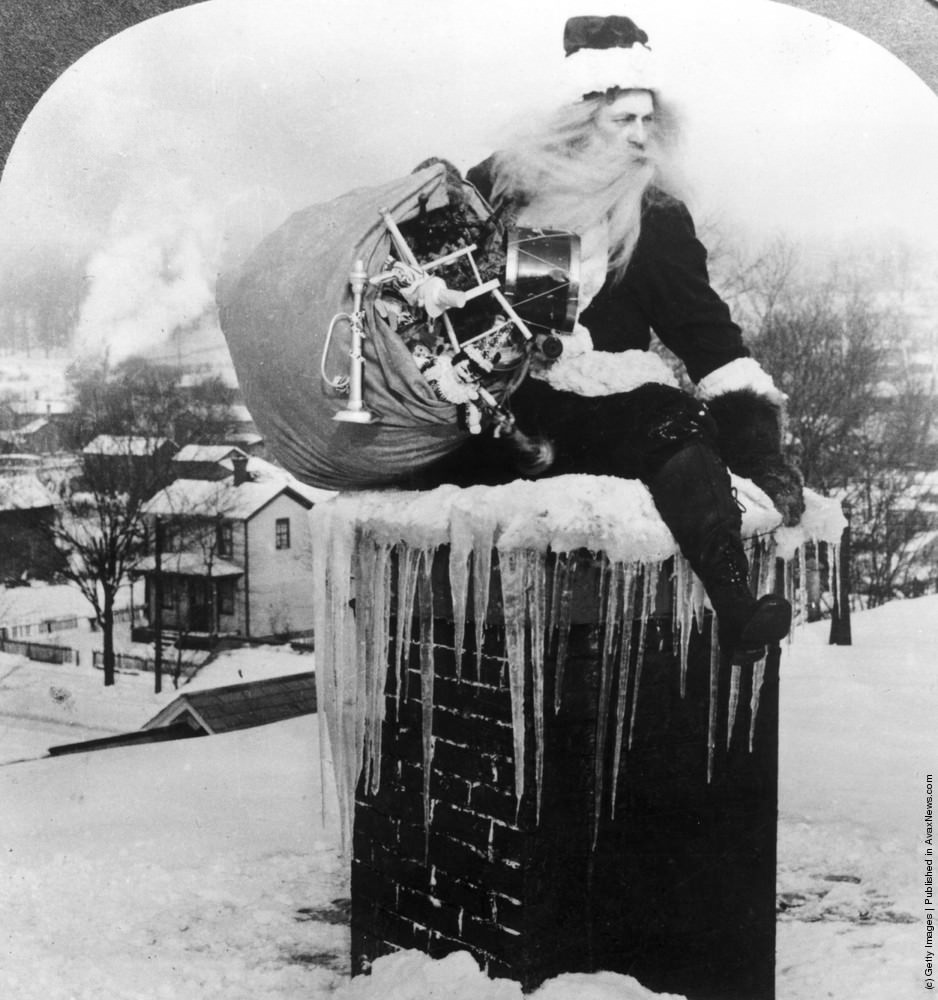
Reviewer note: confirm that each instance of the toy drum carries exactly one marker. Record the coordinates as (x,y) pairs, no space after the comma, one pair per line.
(542,277)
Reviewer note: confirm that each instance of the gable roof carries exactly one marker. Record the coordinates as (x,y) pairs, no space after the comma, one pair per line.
(124,444)
(23,491)
(240,706)
(34,426)
(209,498)
(206,453)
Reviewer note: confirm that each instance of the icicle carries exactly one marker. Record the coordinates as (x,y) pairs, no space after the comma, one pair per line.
(789,572)
(557,563)
(483,539)
(425,604)
(342,706)
(537,615)
(609,598)
(460,549)
(408,562)
(513,573)
(566,568)
(626,618)
(377,648)
(325,686)
(833,549)
(685,612)
(365,560)
(766,568)
(649,592)
(714,694)
(735,680)
(758,676)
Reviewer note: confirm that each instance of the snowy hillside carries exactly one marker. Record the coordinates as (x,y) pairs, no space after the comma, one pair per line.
(208,869)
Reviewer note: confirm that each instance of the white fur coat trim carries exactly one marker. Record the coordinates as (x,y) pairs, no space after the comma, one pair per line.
(603,373)
(743,373)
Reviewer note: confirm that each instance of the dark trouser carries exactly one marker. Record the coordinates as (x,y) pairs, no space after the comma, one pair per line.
(668,440)
(629,434)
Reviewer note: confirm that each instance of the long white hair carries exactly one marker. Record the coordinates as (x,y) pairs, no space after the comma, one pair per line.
(561,165)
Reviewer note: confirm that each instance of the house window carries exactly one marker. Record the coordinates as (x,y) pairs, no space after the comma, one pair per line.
(168,593)
(283,532)
(224,539)
(226,597)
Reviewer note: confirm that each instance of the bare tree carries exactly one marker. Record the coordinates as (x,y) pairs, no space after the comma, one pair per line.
(837,342)
(100,527)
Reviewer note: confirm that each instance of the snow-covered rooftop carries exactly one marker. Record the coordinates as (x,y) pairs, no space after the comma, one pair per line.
(23,492)
(39,601)
(124,445)
(184,497)
(190,564)
(206,453)
(260,470)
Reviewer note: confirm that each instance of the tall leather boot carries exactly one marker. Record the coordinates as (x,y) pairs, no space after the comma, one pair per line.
(692,491)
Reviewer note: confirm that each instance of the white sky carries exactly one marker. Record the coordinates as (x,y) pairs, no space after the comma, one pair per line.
(233,113)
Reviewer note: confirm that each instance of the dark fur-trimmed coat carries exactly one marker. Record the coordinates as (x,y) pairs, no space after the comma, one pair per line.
(666,288)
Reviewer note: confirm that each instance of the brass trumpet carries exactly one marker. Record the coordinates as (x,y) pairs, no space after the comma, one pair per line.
(354,411)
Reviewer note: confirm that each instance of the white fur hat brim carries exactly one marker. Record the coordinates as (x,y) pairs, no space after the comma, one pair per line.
(590,71)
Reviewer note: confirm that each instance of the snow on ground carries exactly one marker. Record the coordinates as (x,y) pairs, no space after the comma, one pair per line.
(198,869)
(44,704)
(856,743)
(205,868)
(250,663)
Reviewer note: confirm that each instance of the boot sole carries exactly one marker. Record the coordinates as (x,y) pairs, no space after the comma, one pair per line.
(770,622)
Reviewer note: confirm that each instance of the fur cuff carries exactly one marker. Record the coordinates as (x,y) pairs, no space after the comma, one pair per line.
(604,373)
(743,373)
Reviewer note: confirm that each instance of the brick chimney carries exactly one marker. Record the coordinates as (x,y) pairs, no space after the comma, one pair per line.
(240,464)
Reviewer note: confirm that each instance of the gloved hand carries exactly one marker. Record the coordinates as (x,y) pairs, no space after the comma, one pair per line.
(750,442)
(784,485)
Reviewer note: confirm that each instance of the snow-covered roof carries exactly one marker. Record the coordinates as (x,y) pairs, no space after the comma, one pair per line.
(206,453)
(240,706)
(124,445)
(39,601)
(23,491)
(19,462)
(33,426)
(209,498)
(48,407)
(240,413)
(190,564)
(246,438)
(260,470)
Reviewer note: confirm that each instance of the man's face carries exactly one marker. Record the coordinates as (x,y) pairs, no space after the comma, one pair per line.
(627,122)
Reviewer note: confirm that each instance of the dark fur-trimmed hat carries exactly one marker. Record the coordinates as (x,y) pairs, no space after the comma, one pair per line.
(602,53)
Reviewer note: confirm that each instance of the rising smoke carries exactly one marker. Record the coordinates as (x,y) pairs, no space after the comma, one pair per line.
(153,279)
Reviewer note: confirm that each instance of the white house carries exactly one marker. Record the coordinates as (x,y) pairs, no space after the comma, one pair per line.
(235,556)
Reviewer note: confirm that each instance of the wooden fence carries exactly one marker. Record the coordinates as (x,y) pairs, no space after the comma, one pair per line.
(41,651)
(129,663)
(44,627)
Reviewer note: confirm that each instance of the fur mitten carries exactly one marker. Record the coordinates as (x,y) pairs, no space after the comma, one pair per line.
(750,440)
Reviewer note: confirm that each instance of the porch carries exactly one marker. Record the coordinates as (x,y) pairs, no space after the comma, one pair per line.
(193,598)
